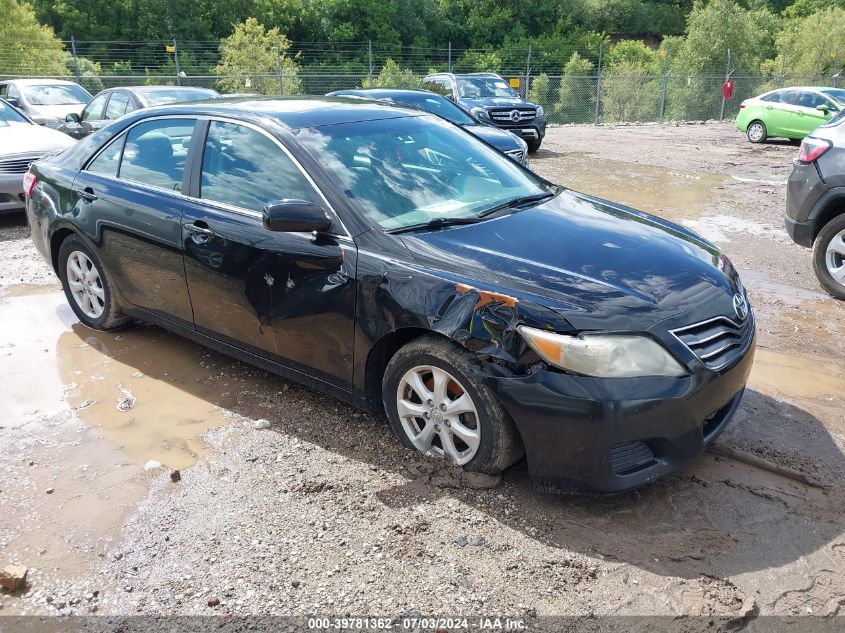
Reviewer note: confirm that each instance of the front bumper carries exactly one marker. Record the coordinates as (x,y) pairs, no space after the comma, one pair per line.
(608,435)
(529,131)
(11,193)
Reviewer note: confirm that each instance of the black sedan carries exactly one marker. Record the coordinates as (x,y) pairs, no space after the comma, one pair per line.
(504,141)
(393,260)
(113,103)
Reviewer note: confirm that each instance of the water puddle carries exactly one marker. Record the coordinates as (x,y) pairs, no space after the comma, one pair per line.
(720,228)
(668,193)
(805,378)
(147,392)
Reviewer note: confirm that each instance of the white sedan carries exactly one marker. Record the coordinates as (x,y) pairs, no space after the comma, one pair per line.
(22,142)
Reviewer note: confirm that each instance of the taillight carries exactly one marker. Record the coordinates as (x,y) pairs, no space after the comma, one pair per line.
(812,149)
(29,181)
(742,105)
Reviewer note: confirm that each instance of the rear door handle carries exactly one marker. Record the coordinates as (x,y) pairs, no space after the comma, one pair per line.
(86,194)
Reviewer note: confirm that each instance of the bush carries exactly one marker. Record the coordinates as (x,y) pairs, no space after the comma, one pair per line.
(629,93)
(392,75)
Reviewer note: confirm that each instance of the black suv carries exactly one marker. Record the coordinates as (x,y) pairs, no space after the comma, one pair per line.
(815,202)
(489,98)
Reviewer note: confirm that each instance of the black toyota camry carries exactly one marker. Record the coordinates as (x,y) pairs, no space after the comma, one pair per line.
(391,259)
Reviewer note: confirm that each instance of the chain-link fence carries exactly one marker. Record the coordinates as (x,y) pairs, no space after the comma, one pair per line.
(601,96)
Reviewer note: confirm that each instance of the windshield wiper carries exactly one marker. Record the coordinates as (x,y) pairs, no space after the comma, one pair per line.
(516,202)
(436,223)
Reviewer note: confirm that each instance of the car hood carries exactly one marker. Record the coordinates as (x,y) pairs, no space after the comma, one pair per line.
(496,102)
(24,138)
(601,265)
(500,139)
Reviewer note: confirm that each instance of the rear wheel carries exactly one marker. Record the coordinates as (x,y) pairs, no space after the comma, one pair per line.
(829,257)
(756,132)
(88,286)
(437,405)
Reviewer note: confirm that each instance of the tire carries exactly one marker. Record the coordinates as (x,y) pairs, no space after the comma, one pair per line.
(100,311)
(533,146)
(757,132)
(825,258)
(498,442)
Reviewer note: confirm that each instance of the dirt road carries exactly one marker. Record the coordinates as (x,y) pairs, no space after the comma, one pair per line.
(291,503)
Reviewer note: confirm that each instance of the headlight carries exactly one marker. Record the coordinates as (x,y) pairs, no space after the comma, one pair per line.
(480,113)
(603,355)
(540,111)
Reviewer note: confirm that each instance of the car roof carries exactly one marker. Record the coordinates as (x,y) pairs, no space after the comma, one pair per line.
(813,88)
(383,92)
(445,74)
(42,81)
(150,89)
(293,112)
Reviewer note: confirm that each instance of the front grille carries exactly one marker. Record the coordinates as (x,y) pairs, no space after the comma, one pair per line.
(517,154)
(628,457)
(717,342)
(17,165)
(507,115)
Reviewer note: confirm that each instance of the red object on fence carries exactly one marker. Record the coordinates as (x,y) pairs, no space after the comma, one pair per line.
(728,89)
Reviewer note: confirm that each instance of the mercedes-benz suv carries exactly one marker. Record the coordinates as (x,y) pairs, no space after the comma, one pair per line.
(489,98)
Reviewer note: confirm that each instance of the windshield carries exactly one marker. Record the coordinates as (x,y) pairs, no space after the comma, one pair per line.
(8,115)
(56,94)
(407,171)
(160,97)
(837,94)
(436,105)
(480,87)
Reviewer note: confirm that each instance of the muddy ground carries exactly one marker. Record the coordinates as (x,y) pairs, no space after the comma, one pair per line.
(322,511)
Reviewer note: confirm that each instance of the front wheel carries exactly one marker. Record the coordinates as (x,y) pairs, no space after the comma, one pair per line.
(756,132)
(829,257)
(533,146)
(88,287)
(437,405)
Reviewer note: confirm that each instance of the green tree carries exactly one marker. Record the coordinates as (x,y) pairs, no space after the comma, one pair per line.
(629,92)
(576,95)
(27,47)
(393,76)
(88,72)
(250,59)
(541,92)
(811,46)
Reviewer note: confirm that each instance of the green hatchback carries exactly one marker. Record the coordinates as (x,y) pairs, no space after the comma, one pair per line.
(788,112)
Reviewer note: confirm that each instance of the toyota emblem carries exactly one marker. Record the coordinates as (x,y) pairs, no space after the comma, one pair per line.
(740,307)
(515,116)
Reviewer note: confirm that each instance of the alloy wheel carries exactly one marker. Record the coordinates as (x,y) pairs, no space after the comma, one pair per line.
(85,284)
(755,132)
(835,257)
(438,414)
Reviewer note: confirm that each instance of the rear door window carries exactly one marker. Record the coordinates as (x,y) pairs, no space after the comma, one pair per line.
(155,152)
(243,168)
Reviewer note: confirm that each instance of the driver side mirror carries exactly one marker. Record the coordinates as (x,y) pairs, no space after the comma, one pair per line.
(73,117)
(295,216)
(823,108)
(13,101)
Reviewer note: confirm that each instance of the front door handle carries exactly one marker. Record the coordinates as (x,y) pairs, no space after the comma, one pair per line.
(200,233)
(86,194)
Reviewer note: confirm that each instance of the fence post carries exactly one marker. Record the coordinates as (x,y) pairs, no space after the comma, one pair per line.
(176,59)
(528,72)
(663,81)
(727,76)
(279,67)
(75,60)
(370,56)
(450,56)
(782,65)
(598,86)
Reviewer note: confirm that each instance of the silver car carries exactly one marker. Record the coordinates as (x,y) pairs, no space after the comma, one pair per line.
(45,101)
(22,142)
